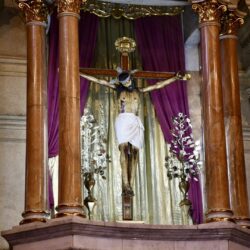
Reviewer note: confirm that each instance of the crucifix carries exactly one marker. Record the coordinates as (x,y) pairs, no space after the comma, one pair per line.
(128,126)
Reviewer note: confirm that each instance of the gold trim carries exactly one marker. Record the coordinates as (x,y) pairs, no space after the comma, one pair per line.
(209,11)
(231,22)
(35,212)
(30,216)
(245,226)
(37,23)
(68,6)
(212,23)
(75,207)
(129,11)
(221,210)
(243,222)
(69,205)
(125,45)
(68,14)
(63,214)
(30,220)
(242,218)
(220,219)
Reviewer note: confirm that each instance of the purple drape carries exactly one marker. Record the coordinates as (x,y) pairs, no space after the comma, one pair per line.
(161,46)
(87,40)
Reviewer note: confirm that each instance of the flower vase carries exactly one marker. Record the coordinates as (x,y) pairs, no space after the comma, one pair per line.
(184,187)
(89,201)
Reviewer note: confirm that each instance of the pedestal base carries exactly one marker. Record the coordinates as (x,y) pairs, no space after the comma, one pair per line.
(127,207)
(77,233)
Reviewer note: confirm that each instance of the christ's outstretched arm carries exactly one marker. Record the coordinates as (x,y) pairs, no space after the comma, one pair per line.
(99,81)
(162,84)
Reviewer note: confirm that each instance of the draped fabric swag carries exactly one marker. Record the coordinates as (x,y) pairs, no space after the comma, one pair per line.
(156,198)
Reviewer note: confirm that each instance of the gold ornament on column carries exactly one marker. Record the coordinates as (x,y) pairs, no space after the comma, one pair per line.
(34,10)
(231,22)
(69,6)
(208,11)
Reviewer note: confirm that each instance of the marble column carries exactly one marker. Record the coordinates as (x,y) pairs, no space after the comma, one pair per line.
(36,131)
(70,188)
(231,21)
(218,203)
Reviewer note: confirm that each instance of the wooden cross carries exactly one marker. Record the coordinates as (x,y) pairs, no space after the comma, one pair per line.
(125,46)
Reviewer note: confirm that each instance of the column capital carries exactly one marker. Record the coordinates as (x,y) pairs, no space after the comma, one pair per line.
(231,21)
(34,10)
(69,6)
(209,11)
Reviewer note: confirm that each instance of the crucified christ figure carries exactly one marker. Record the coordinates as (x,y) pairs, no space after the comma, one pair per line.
(128,126)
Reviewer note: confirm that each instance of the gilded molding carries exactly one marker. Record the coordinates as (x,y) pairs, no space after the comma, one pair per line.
(216,210)
(69,6)
(33,215)
(220,219)
(34,10)
(70,210)
(231,22)
(129,11)
(209,11)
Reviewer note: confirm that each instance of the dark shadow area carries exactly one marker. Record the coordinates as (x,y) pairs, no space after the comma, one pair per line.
(190,21)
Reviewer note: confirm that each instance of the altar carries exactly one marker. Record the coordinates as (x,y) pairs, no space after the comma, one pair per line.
(74,233)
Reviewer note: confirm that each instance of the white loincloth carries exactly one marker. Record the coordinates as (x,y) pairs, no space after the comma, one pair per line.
(129,128)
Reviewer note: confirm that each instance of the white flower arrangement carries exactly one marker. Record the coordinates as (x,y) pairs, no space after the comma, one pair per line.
(94,158)
(184,160)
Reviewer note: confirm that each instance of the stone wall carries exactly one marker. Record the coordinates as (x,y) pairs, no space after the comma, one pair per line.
(245,111)
(12,118)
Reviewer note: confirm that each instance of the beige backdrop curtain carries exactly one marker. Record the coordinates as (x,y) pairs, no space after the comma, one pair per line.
(156,198)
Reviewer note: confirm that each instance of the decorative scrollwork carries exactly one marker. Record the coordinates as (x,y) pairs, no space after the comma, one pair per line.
(34,10)
(129,11)
(231,22)
(209,10)
(69,6)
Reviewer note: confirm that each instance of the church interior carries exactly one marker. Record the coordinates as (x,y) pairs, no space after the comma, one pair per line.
(64,182)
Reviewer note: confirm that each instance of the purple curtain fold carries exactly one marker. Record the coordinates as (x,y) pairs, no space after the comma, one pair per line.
(53,88)
(161,46)
(88,25)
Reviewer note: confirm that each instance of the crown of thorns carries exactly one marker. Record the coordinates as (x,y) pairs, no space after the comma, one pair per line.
(123,76)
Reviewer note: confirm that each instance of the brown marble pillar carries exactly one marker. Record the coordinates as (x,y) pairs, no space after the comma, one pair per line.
(232,111)
(70,188)
(218,204)
(36,135)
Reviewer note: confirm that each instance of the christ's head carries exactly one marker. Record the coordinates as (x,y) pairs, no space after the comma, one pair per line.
(125,79)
